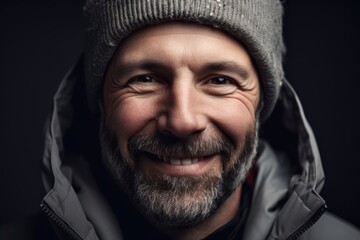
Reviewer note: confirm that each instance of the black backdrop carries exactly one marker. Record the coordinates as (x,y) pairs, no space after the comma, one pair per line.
(41,39)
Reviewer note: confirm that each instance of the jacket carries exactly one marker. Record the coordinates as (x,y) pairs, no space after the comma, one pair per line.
(285,201)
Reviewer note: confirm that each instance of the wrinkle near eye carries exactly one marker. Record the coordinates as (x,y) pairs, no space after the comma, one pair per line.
(250,101)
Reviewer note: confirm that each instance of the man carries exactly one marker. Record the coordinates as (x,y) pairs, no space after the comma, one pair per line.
(180,91)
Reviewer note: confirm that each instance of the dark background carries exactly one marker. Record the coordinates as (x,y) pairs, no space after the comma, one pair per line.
(40,40)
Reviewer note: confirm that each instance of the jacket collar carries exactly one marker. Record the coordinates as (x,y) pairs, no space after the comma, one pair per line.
(286,200)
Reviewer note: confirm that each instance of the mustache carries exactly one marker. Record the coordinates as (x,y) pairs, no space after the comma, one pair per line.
(173,147)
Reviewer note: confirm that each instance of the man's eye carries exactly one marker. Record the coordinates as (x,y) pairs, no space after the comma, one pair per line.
(220,81)
(143,79)
(219,85)
(146,83)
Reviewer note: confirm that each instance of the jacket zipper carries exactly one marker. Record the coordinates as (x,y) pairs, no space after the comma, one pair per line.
(306,226)
(59,222)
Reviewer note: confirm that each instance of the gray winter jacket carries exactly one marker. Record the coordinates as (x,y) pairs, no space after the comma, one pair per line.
(285,203)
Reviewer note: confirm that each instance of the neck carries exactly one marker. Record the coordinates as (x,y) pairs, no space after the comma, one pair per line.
(223,215)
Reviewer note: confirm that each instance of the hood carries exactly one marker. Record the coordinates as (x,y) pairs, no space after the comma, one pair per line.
(285,198)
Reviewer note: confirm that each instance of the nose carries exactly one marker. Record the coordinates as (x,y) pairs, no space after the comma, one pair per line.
(183,115)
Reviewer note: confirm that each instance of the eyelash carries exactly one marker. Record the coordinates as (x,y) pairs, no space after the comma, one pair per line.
(151,81)
(151,77)
(142,77)
(223,78)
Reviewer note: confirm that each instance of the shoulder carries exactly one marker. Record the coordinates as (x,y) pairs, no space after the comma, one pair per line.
(331,227)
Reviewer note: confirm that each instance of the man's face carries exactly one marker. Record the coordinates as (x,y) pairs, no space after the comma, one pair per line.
(179,126)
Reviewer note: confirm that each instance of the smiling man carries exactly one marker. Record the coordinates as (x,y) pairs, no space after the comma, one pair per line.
(178,123)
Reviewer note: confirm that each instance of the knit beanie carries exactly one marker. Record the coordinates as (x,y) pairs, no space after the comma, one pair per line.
(257,24)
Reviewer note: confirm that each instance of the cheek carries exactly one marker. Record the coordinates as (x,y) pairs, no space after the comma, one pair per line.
(130,116)
(235,120)
(235,123)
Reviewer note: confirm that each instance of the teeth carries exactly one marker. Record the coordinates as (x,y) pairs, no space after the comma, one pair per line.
(178,161)
(186,161)
(194,160)
(175,161)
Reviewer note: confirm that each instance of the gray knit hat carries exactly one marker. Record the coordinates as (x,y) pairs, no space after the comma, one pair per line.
(255,23)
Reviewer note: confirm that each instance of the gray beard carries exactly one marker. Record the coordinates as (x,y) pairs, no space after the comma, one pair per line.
(177,201)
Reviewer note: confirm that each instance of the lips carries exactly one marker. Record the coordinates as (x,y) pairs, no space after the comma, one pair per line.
(185,165)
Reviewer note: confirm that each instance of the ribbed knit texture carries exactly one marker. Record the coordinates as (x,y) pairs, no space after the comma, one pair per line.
(255,23)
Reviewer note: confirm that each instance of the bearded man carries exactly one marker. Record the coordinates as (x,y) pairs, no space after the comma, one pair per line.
(155,132)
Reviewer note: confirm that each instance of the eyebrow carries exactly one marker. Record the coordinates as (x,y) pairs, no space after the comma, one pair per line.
(125,68)
(228,66)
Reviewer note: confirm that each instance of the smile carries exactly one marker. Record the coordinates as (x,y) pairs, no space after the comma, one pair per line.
(178,165)
(173,160)
(185,161)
